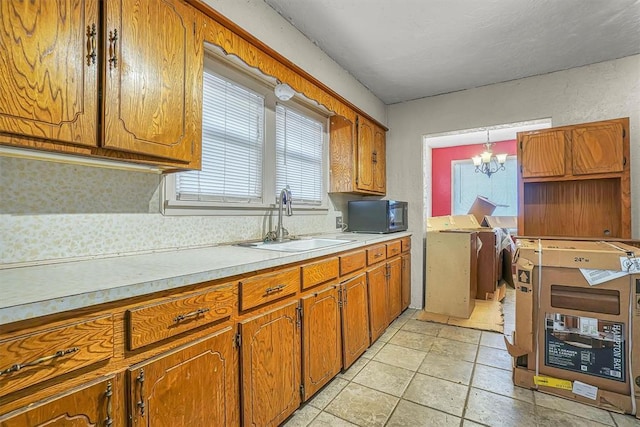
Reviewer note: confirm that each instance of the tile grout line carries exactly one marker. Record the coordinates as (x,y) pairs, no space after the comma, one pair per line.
(473,372)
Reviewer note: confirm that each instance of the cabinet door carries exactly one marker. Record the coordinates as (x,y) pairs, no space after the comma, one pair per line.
(365,148)
(48,80)
(355,319)
(543,154)
(394,286)
(153,69)
(194,385)
(322,344)
(597,149)
(93,404)
(378,312)
(270,366)
(406,281)
(379,161)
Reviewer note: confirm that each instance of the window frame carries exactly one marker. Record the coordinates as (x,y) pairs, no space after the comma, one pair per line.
(262,85)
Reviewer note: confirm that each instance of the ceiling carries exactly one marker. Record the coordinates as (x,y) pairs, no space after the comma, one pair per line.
(410,49)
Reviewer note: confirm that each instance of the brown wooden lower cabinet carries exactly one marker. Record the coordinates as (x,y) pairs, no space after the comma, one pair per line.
(394,278)
(378,310)
(194,385)
(406,281)
(270,366)
(355,319)
(92,404)
(321,337)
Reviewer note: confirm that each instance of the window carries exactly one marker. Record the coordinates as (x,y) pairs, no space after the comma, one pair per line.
(299,155)
(501,188)
(252,146)
(232,146)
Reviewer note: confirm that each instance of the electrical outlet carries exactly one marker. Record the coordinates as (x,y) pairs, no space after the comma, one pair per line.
(338,222)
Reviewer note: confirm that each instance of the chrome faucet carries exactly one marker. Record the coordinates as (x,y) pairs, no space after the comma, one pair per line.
(283,200)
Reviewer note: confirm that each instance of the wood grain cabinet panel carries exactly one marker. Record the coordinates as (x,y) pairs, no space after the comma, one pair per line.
(28,359)
(394,287)
(162,68)
(357,156)
(378,307)
(92,404)
(271,366)
(194,385)
(319,272)
(405,243)
(355,319)
(155,322)
(543,154)
(393,248)
(597,149)
(352,261)
(48,83)
(265,288)
(406,281)
(379,161)
(321,339)
(376,254)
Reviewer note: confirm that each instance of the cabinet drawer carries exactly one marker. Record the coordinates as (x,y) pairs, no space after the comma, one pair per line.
(31,358)
(155,322)
(319,272)
(405,242)
(393,248)
(264,288)
(376,254)
(353,261)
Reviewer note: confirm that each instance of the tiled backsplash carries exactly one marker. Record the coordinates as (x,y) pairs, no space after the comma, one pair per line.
(52,211)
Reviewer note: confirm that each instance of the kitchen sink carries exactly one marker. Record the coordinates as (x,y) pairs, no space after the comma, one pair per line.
(296,245)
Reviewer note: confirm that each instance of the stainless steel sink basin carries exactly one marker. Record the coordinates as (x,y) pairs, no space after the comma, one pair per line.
(297,245)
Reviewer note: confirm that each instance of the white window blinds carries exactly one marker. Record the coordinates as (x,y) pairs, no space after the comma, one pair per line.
(232,146)
(299,155)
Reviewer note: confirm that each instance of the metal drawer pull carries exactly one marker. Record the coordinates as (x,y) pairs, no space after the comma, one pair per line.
(113,55)
(57,354)
(196,313)
(274,289)
(377,255)
(91,44)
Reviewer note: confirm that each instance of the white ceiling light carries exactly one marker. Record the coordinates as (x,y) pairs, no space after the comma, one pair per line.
(284,92)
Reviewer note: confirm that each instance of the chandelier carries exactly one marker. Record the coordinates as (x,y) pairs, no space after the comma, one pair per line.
(488,163)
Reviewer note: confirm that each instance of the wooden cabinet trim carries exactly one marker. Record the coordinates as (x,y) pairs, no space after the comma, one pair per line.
(155,322)
(56,351)
(263,288)
(319,272)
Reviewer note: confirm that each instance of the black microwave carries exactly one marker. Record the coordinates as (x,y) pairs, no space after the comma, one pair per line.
(377,216)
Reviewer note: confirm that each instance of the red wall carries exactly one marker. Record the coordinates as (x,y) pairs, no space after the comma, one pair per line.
(441,170)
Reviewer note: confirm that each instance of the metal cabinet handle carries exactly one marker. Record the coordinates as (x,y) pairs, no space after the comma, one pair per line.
(377,255)
(91,44)
(113,40)
(274,289)
(140,403)
(109,420)
(196,313)
(56,355)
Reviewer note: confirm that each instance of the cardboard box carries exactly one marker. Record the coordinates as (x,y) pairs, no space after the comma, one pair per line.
(509,223)
(482,207)
(575,332)
(451,276)
(489,267)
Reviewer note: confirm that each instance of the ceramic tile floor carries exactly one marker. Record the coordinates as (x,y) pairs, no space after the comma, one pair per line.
(426,374)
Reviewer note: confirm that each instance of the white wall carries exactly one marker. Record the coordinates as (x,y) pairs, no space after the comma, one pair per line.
(52,211)
(595,92)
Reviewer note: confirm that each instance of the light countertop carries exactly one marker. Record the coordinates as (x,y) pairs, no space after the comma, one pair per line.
(33,291)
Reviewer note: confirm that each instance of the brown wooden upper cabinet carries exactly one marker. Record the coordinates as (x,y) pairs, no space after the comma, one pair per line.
(575,181)
(573,150)
(357,156)
(136,97)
